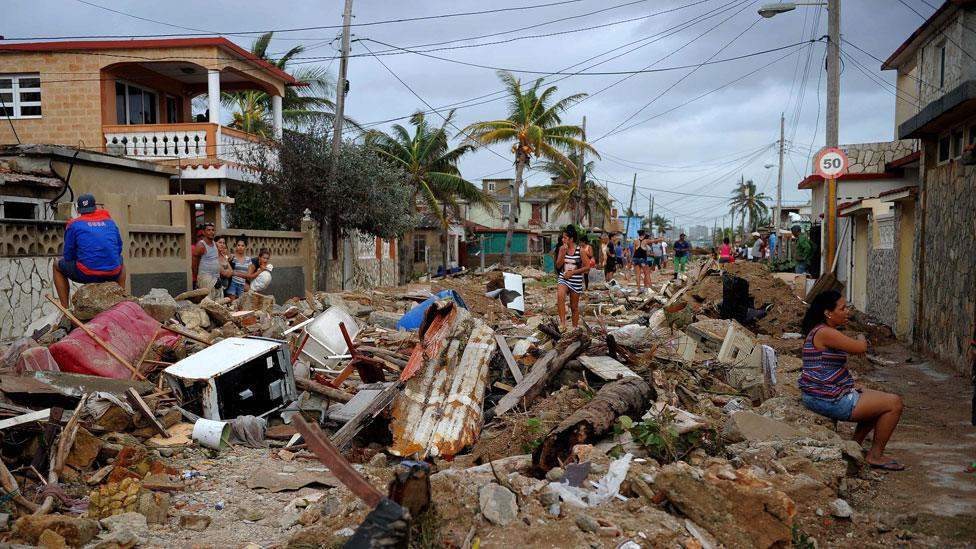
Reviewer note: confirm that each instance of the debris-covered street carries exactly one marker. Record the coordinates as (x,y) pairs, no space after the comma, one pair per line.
(649,425)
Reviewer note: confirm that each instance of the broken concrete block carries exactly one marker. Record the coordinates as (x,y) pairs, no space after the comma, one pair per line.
(85,449)
(744,512)
(197,523)
(196,296)
(253,301)
(127,529)
(92,299)
(50,539)
(745,425)
(194,318)
(114,498)
(384,319)
(158,304)
(498,504)
(155,507)
(76,531)
(219,314)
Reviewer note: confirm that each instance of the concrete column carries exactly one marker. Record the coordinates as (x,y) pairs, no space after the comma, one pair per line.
(213,95)
(276,115)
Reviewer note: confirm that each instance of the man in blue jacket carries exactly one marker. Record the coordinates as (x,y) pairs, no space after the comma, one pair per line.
(92,250)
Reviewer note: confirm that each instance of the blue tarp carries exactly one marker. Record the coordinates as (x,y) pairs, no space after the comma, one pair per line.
(413,318)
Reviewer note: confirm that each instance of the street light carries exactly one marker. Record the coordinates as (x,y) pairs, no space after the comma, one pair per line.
(833,103)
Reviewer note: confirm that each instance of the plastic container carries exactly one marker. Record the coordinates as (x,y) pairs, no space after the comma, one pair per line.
(414,317)
(324,337)
(263,280)
(211,434)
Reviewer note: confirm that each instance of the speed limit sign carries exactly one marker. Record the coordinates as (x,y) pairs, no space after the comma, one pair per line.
(831,163)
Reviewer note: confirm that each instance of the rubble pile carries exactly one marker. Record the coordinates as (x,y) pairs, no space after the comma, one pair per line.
(453,412)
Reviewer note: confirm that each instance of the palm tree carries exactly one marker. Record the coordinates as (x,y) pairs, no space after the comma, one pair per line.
(426,156)
(662,223)
(300,106)
(747,201)
(565,190)
(533,128)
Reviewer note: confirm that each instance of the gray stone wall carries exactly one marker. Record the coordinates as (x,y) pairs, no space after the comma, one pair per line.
(23,283)
(872,157)
(947,268)
(882,299)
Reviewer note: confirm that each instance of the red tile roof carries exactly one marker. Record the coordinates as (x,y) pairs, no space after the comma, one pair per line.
(814,180)
(904,161)
(219,41)
(898,190)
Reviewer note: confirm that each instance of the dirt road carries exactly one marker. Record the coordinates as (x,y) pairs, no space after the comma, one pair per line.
(934,497)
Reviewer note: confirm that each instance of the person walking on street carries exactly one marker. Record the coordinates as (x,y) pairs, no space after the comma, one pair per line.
(92,250)
(571,263)
(664,251)
(205,263)
(725,254)
(640,259)
(682,249)
(828,388)
(758,247)
(608,257)
(588,250)
(802,251)
(657,253)
(241,264)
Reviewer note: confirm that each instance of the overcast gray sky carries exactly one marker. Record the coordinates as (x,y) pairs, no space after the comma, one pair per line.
(676,141)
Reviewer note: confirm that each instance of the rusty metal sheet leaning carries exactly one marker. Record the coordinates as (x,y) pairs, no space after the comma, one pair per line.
(439,412)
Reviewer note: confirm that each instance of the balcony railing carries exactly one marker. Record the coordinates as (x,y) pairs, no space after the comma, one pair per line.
(181,141)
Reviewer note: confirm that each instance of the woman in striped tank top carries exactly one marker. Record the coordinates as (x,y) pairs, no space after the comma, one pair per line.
(572,262)
(828,388)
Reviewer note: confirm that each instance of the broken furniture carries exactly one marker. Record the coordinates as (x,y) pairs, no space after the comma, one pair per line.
(237,376)
(323,339)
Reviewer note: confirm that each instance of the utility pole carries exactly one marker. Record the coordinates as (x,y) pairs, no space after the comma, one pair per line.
(340,105)
(579,175)
(779,180)
(833,121)
(630,210)
(650,215)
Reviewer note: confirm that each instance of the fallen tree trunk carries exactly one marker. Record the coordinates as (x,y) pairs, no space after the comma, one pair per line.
(629,396)
(543,372)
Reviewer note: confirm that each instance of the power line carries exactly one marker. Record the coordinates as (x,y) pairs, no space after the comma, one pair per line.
(600,73)
(296,29)
(719,88)
(684,77)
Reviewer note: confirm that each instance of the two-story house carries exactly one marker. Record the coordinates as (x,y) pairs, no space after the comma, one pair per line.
(937,64)
(133,98)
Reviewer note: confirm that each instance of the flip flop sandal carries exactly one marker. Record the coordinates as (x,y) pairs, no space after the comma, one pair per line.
(890,465)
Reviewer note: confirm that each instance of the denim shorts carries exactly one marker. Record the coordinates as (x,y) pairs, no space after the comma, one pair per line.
(640,261)
(840,409)
(235,289)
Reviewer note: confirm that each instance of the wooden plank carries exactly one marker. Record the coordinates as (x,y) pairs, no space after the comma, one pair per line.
(323,390)
(348,431)
(136,401)
(606,368)
(40,415)
(509,359)
(543,372)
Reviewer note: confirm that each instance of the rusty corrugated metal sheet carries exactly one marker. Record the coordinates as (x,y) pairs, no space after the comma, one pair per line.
(439,412)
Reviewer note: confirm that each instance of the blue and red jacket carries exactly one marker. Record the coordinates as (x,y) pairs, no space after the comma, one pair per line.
(93,242)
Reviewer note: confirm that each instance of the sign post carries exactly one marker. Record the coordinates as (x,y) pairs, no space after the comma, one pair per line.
(831,164)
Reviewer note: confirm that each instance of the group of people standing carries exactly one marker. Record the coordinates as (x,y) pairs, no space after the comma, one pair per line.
(226,274)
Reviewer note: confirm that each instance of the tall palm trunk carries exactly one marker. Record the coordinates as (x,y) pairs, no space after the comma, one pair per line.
(513,210)
(447,240)
(405,248)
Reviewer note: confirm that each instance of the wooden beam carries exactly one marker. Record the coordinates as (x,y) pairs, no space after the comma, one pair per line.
(348,431)
(136,401)
(40,415)
(509,359)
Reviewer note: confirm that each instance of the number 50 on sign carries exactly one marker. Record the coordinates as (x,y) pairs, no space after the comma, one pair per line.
(831,163)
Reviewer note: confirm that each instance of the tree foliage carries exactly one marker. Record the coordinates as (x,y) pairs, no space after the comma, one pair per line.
(747,201)
(368,195)
(565,189)
(533,128)
(251,209)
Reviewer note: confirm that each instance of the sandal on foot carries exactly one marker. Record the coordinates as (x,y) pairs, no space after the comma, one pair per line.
(890,465)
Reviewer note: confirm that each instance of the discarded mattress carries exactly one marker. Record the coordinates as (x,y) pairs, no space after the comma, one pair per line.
(125,327)
(414,317)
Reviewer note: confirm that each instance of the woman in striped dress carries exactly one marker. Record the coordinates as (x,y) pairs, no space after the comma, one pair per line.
(828,388)
(572,262)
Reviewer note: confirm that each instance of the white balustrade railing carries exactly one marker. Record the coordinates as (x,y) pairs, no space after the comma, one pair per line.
(158,143)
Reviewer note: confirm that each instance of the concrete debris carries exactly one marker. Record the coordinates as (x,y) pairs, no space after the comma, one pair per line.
(498,504)
(654,424)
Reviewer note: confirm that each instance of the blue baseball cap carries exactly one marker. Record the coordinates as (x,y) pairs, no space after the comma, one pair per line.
(86,204)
